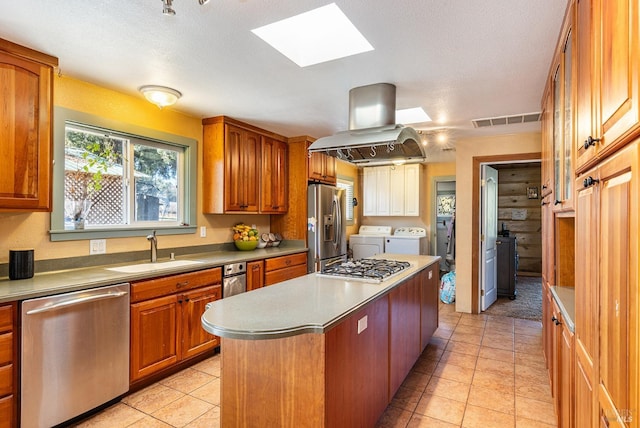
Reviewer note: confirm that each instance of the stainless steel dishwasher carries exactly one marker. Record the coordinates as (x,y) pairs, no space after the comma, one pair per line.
(75,353)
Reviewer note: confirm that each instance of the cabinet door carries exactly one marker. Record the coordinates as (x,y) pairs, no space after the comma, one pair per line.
(154,336)
(255,275)
(242,163)
(567,379)
(356,368)
(585,92)
(194,338)
(370,193)
(383,182)
(322,168)
(25,133)
(429,290)
(619,62)
(411,190)
(618,279)
(396,190)
(330,170)
(274,183)
(404,331)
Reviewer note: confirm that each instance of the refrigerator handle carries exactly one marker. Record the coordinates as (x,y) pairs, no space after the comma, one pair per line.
(338,220)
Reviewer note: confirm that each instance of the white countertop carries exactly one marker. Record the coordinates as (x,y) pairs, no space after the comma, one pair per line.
(307,304)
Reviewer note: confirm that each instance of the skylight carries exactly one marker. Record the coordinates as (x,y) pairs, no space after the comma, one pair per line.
(313,37)
(412,115)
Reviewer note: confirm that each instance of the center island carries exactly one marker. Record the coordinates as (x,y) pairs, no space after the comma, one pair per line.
(322,352)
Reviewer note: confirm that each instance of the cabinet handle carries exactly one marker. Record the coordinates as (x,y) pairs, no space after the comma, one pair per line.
(180,301)
(287,262)
(544,203)
(555,320)
(186,300)
(590,181)
(182,284)
(590,141)
(557,202)
(544,186)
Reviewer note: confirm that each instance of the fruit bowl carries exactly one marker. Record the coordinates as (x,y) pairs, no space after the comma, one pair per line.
(246,245)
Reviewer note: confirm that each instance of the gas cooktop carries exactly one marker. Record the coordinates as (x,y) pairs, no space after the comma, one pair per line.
(367,270)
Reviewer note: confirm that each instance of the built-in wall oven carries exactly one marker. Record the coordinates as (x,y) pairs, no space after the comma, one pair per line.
(234,279)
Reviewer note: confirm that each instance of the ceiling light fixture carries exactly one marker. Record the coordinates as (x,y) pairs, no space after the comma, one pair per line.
(168,10)
(160,95)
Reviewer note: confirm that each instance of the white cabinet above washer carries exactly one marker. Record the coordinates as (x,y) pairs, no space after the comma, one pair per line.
(392,190)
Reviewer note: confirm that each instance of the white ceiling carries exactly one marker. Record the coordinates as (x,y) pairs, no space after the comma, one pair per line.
(459,59)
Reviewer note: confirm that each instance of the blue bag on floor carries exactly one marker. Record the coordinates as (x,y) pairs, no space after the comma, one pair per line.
(448,287)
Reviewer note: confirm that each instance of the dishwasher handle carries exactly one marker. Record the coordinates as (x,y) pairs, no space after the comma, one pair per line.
(77,301)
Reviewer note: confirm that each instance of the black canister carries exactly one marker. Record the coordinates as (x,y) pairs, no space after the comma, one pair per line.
(20,264)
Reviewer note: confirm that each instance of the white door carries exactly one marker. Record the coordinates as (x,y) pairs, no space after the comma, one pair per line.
(489,233)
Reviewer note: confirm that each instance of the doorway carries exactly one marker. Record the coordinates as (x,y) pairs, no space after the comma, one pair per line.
(444,219)
(518,215)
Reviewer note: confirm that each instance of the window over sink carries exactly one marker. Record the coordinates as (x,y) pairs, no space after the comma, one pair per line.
(120,180)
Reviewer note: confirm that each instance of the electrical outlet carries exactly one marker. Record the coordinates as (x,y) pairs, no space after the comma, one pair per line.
(203,231)
(362,324)
(98,246)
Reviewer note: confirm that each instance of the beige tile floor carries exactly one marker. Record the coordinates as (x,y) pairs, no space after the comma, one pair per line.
(478,371)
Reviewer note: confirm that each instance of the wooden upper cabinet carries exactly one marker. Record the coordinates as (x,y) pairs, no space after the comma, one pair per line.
(26,85)
(322,168)
(233,177)
(274,195)
(241,171)
(585,85)
(608,112)
(562,91)
(619,66)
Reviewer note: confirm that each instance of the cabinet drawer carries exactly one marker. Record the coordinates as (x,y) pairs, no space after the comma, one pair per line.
(285,261)
(6,318)
(6,348)
(157,287)
(6,380)
(6,412)
(280,275)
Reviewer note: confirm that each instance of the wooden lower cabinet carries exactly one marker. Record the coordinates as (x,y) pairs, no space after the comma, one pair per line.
(429,295)
(8,366)
(278,269)
(353,360)
(566,391)
(154,336)
(166,330)
(585,398)
(255,275)
(404,331)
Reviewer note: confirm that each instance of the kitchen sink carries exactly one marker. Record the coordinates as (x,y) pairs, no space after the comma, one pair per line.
(153,267)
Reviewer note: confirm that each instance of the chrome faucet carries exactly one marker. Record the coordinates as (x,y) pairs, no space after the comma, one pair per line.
(154,246)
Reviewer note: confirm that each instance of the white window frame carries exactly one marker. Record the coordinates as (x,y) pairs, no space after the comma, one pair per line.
(187,190)
(347,184)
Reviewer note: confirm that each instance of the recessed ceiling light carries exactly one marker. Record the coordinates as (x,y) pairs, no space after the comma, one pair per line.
(313,37)
(412,115)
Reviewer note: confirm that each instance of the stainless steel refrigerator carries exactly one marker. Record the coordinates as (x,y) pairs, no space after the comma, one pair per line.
(326,226)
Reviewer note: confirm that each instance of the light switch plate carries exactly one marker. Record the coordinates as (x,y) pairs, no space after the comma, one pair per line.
(203,231)
(97,246)
(362,324)
(430,274)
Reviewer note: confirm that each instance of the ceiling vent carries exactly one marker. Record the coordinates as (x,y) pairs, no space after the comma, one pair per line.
(507,120)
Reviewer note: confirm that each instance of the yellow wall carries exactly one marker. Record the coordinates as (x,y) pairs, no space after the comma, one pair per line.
(31,230)
(466,150)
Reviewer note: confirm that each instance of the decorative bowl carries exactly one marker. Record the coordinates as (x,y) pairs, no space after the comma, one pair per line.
(246,245)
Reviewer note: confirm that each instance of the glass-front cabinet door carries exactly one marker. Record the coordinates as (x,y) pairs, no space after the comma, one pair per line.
(563,123)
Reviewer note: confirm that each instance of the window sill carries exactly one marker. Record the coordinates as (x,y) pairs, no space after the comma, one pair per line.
(77,235)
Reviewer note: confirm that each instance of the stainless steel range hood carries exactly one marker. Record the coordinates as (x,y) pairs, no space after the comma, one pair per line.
(373,137)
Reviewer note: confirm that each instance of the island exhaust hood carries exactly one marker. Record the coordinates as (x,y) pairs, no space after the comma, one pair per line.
(373,136)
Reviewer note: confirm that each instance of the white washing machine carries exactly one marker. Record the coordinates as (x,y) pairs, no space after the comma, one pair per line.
(407,240)
(369,241)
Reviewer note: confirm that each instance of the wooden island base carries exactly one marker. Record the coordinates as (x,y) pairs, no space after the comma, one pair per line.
(344,377)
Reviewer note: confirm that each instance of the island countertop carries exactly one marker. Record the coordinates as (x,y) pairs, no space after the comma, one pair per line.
(307,304)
